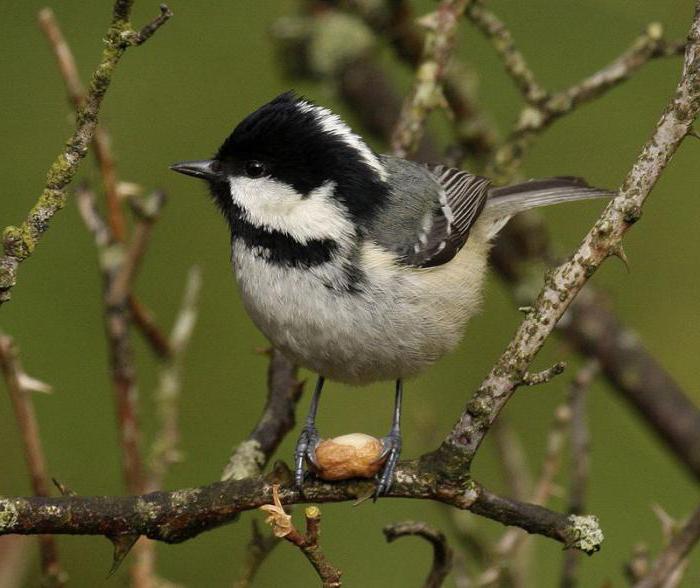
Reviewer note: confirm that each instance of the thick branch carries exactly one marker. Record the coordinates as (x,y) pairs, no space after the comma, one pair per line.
(176,516)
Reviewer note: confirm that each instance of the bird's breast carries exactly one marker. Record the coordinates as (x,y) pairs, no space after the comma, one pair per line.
(388,322)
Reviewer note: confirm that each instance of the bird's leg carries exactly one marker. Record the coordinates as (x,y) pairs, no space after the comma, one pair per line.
(392,446)
(308,440)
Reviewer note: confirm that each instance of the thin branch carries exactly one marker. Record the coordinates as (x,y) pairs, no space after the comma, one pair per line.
(513,540)
(259,547)
(512,459)
(164,451)
(427,93)
(111,257)
(563,283)
(442,554)
(672,557)
(19,242)
(580,459)
(282,526)
(14,557)
(23,406)
(101,145)
(277,419)
(538,115)
(513,60)
(118,265)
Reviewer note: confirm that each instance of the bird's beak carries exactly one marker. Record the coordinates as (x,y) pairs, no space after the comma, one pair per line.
(203,169)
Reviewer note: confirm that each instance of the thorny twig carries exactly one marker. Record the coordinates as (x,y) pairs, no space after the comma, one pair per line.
(282,526)
(21,387)
(101,145)
(19,242)
(442,553)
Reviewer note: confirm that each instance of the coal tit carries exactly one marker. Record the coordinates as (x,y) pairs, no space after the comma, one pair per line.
(358,266)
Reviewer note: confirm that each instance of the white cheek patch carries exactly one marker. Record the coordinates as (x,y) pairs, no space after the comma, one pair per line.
(273,205)
(333,125)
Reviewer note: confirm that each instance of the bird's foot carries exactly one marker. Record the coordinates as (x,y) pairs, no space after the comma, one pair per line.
(306,449)
(391,451)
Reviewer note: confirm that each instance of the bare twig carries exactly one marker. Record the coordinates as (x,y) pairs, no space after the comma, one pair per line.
(14,557)
(427,93)
(512,459)
(442,554)
(282,526)
(580,459)
(164,450)
(113,259)
(673,556)
(512,540)
(259,547)
(20,242)
(20,387)
(283,392)
(101,144)
(512,58)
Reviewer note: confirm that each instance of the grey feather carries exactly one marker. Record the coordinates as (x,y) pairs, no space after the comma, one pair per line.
(509,200)
(432,208)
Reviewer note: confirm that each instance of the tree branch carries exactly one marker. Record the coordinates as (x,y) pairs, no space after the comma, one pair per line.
(20,387)
(180,515)
(442,554)
(427,89)
(671,557)
(277,419)
(604,239)
(19,242)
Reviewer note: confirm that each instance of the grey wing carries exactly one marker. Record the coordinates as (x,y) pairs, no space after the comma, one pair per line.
(437,207)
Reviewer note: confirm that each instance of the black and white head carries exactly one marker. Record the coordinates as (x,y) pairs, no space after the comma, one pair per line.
(294,168)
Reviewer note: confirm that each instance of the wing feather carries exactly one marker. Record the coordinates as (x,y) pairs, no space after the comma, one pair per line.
(459,204)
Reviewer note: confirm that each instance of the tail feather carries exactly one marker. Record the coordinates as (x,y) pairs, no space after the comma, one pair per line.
(509,200)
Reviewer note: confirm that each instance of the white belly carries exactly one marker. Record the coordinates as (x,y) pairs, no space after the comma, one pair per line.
(404,322)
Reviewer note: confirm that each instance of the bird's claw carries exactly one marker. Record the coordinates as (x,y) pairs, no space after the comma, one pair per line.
(305,449)
(391,451)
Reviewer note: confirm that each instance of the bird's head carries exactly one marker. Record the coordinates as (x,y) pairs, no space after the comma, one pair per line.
(294,167)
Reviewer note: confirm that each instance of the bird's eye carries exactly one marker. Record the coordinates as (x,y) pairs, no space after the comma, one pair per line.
(254,168)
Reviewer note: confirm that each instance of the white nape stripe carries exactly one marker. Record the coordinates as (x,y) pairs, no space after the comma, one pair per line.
(331,123)
(274,205)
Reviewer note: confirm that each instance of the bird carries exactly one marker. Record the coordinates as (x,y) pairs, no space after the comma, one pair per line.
(359,266)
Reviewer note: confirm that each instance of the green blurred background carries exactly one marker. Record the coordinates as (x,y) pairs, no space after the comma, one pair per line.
(176,98)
